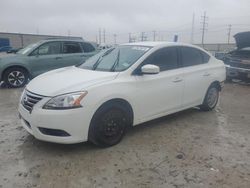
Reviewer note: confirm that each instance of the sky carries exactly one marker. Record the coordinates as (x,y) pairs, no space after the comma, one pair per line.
(120,17)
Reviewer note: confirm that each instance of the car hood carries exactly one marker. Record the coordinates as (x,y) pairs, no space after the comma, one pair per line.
(10,58)
(242,39)
(66,80)
(3,54)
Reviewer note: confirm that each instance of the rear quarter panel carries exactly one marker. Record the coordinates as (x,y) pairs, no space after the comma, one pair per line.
(218,69)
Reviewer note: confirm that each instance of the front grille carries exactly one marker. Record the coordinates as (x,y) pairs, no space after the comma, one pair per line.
(234,62)
(30,99)
(240,65)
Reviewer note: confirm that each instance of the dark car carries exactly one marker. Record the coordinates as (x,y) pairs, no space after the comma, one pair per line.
(5,48)
(13,50)
(238,61)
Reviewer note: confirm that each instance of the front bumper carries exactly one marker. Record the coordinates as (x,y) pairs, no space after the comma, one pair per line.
(236,72)
(75,122)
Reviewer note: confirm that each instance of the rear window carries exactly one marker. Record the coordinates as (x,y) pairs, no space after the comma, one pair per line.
(87,47)
(71,47)
(192,56)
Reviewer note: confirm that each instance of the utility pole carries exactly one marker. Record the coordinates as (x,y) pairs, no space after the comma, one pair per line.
(204,27)
(100,36)
(154,35)
(192,31)
(96,39)
(229,33)
(115,35)
(129,37)
(69,33)
(143,37)
(104,36)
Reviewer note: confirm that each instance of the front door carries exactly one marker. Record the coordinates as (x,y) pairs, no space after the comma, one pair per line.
(160,94)
(46,57)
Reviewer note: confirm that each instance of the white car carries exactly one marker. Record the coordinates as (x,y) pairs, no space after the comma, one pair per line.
(120,87)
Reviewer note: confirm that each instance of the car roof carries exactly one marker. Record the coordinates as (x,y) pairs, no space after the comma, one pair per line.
(162,44)
(158,43)
(62,39)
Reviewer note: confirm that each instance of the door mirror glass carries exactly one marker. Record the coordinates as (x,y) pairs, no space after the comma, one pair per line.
(150,69)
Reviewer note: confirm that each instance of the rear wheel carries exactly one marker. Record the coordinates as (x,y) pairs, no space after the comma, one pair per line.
(108,125)
(211,98)
(15,77)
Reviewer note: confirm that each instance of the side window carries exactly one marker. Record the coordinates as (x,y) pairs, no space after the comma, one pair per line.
(165,58)
(191,56)
(49,48)
(205,57)
(71,47)
(87,47)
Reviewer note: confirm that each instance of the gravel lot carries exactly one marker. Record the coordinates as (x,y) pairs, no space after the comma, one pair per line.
(187,149)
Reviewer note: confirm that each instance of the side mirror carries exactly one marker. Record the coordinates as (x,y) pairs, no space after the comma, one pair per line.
(150,69)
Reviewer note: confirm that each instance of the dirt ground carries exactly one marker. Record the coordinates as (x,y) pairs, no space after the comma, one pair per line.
(187,149)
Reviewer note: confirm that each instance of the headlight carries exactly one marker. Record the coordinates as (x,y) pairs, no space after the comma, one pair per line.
(66,101)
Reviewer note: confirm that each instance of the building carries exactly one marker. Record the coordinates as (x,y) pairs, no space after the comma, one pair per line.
(20,40)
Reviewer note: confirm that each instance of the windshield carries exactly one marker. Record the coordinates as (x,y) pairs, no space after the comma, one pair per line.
(28,48)
(115,59)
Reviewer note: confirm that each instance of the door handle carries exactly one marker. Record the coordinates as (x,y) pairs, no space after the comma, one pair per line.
(177,80)
(206,74)
(58,58)
(83,55)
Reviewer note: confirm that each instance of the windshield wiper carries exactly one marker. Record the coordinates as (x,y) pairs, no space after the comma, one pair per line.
(116,62)
(100,58)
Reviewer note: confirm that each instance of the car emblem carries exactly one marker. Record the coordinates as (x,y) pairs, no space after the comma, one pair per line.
(25,99)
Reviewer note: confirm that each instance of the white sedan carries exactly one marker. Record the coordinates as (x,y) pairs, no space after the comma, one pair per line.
(118,88)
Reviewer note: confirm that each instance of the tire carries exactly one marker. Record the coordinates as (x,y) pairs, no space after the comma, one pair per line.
(15,77)
(211,98)
(109,125)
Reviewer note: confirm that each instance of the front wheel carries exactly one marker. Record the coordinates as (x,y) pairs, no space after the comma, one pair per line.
(15,77)
(108,125)
(211,98)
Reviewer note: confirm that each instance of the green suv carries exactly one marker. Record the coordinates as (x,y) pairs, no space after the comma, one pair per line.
(43,56)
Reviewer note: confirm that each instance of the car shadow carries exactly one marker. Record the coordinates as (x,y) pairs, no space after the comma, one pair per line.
(31,143)
(4,86)
(240,82)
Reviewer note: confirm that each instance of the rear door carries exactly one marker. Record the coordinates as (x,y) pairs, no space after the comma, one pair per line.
(73,53)
(159,94)
(196,74)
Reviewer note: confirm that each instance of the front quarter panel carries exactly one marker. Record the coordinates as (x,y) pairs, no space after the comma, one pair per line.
(115,89)
(20,61)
